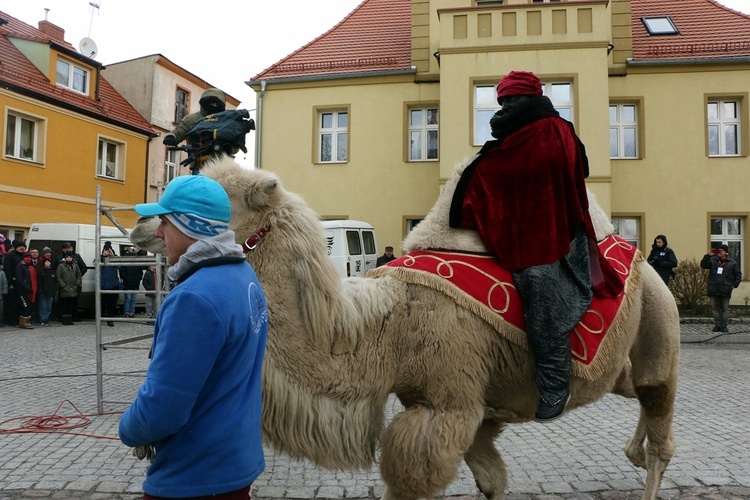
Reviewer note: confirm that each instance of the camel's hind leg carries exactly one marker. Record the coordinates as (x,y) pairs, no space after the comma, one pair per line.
(655,426)
(485,462)
(655,358)
(422,448)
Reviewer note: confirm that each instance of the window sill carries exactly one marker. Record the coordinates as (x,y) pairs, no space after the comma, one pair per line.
(106,178)
(23,161)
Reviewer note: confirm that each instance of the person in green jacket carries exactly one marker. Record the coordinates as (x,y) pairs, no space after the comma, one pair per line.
(211,101)
(68,282)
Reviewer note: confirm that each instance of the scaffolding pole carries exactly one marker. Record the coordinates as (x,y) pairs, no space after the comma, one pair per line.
(119,261)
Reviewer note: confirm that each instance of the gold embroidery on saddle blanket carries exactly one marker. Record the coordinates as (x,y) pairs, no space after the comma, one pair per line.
(478,283)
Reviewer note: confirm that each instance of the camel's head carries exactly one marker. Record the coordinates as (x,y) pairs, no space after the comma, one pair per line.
(143,235)
(252,194)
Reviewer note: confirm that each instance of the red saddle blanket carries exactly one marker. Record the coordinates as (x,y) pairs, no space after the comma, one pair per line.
(478,282)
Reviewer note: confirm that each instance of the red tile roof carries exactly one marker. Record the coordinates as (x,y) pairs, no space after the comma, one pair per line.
(708,30)
(19,74)
(376,36)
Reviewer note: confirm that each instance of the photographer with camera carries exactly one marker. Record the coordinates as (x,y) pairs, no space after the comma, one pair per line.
(211,101)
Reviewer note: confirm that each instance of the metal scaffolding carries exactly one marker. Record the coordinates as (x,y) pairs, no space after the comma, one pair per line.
(119,261)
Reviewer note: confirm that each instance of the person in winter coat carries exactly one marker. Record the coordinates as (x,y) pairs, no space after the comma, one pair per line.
(149,284)
(10,262)
(200,405)
(69,283)
(211,101)
(723,277)
(131,280)
(662,258)
(68,247)
(110,280)
(26,289)
(3,294)
(47,290)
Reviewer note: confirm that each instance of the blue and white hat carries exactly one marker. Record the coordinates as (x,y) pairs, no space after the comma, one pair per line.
(198,206)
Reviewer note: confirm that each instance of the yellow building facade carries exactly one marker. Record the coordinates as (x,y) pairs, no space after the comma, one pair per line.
(663,114)
(66,132)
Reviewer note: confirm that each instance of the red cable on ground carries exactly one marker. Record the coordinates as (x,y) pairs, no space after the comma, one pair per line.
(61,424)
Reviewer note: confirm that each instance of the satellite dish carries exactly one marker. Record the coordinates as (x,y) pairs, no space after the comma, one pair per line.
(87,47)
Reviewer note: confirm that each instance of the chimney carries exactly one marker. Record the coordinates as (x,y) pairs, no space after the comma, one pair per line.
(52,30)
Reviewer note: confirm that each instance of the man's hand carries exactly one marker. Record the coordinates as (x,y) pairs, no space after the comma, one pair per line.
(169,140)
(144,451)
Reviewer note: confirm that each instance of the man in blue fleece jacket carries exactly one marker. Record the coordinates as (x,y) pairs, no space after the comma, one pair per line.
(200,406)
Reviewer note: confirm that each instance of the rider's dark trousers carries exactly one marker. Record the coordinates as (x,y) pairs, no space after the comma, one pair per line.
(555,298)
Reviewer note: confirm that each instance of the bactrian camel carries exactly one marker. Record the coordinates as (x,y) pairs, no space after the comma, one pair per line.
(336,350)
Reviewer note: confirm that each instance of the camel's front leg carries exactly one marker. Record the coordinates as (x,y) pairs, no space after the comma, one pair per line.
(422,449)
(485,462)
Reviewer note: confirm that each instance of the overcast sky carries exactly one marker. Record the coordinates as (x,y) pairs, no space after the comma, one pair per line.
(225,42)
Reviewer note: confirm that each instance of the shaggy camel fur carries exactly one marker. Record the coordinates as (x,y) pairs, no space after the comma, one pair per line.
(336,350)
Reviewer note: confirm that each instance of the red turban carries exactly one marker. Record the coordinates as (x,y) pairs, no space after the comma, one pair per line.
(519,83)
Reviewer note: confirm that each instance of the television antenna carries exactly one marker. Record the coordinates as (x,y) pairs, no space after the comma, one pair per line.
(87,46)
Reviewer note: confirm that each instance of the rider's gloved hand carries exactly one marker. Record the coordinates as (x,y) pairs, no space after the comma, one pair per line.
(169,140)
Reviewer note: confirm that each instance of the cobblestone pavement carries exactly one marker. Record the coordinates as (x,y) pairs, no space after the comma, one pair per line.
(578,457)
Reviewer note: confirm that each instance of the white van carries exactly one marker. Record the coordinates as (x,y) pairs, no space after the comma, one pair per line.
(83,239)
(351,246)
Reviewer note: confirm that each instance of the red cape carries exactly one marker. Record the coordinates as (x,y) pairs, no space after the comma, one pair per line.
(526,198)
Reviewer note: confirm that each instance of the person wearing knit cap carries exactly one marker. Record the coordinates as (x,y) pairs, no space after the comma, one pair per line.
(67,247)
(525,194)
(723,276)
(10,263)
(26,290)
(198,411)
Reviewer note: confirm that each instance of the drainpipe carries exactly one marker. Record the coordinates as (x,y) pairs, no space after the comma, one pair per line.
(259,126)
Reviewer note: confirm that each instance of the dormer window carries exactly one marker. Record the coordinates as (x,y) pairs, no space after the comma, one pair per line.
(659,25)
(72,76)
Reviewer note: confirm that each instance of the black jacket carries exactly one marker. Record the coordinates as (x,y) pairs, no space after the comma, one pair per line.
(47,281)
(663,259)
(721,283)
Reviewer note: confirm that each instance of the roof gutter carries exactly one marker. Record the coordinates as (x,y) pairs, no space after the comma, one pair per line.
(687,62)
(337,76)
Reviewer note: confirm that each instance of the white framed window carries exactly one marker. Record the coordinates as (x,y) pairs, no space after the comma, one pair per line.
(628,228)
(723,118)
(423,134)
(729,231)
(410,223)
(181,104)
(171,166)
(72,76)
(623,131)
(23,136)
(333,136)
(480,3)
(561,95)
(109,158)
(485,105)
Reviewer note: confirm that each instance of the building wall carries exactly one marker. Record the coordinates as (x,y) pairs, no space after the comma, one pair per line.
(376,185)
(675,185)
(675,188)
(150,84)
(62,185)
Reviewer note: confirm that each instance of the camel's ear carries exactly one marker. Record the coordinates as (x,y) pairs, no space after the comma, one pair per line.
(262,192)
